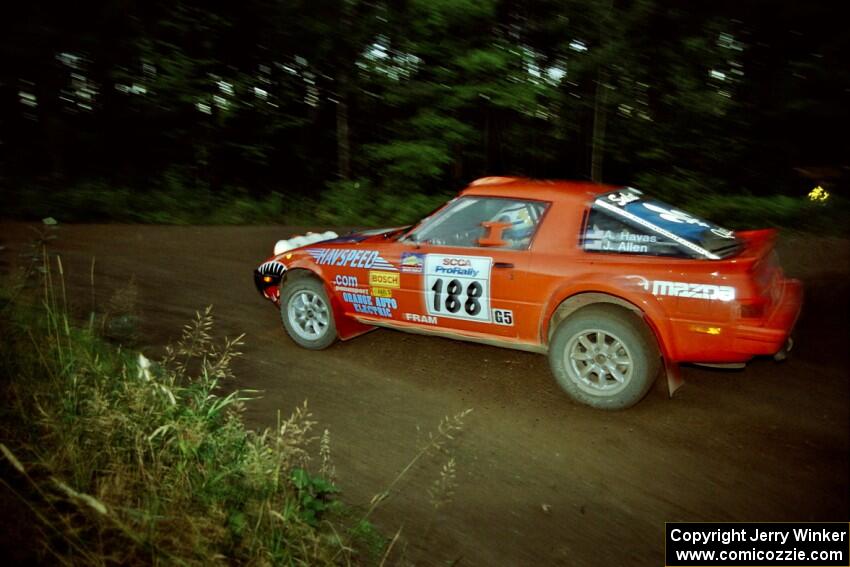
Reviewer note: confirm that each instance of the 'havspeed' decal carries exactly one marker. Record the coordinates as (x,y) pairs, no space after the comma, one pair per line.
(458,287)
(350,257)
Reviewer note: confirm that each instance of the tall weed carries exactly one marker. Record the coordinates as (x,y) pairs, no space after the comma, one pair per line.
(129,461)
(126,460)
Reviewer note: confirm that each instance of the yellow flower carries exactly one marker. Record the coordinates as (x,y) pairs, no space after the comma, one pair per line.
(818,194)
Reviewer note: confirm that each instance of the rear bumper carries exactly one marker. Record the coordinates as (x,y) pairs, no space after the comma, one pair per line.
(769,338)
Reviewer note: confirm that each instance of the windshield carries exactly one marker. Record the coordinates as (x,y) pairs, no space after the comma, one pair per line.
(465,222)
(697,236)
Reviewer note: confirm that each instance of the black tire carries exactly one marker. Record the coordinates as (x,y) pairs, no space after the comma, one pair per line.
(609,383)
(302,300)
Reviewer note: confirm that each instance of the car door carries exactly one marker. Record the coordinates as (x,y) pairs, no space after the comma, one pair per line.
(468,276)
(470,290)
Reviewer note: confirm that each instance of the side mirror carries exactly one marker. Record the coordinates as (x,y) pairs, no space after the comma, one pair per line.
(493,234)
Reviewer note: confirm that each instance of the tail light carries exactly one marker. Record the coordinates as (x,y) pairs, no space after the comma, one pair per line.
(753,308)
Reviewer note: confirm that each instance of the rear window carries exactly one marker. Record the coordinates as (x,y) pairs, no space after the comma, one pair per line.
(606,233)
(627,222)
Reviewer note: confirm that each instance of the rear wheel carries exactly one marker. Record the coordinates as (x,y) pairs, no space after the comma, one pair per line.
(306,313)
(604,356)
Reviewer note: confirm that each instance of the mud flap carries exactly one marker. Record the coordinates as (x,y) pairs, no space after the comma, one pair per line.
(674,377)
(783,353)
(346,327)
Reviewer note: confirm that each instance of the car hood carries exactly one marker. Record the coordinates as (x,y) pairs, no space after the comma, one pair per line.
(330,237)
(371,235)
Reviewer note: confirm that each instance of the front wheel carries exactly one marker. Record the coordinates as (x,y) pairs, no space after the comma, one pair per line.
(306,313)
(605,357)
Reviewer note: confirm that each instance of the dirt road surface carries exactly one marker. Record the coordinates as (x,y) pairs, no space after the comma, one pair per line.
(541,480)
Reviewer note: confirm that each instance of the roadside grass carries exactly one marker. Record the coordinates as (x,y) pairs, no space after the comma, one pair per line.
(341,204)
(102,202)
(126,461)
(122,460)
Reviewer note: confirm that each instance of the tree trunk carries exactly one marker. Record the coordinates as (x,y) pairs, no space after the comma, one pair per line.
(343,142)
(600,106)
(599,121)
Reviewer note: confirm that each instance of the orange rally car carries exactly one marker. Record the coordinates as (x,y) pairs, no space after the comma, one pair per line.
(612,284)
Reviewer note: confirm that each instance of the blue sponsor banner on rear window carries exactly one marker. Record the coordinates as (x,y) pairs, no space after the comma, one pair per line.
(697,235)
(664,216)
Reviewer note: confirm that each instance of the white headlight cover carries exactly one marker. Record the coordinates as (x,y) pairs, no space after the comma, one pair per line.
(282,246)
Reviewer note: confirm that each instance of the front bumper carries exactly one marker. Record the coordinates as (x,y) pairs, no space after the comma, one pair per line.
(267,280)
(268,286)
(259,283)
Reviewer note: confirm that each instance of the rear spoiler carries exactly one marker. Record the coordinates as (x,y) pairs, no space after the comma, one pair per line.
(758,244)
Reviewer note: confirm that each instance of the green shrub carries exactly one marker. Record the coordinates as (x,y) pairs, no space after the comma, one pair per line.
(99,201)
(779,211)
(358,203)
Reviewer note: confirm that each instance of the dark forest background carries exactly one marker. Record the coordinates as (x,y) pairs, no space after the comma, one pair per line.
(347,110)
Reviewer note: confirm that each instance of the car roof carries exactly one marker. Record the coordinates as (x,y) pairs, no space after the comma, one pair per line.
(538,189)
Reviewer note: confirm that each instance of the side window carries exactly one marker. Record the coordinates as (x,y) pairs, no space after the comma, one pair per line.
(606,234)
(483,221)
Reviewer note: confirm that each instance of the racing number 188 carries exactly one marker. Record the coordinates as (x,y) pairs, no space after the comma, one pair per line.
(454,290)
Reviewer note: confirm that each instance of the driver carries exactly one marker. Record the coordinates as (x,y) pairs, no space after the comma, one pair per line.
(518,236)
